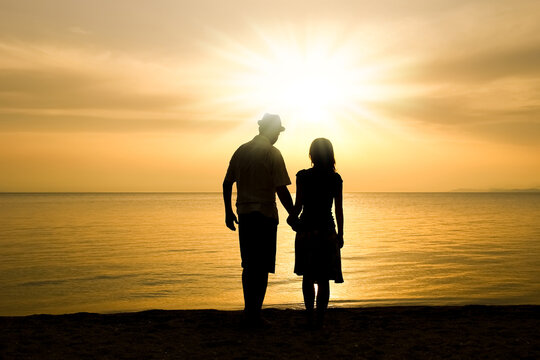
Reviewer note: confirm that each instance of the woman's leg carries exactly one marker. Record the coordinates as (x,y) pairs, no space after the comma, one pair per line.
(308,289)
(323,296)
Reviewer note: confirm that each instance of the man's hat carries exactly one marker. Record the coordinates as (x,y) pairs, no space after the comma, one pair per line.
(271,121)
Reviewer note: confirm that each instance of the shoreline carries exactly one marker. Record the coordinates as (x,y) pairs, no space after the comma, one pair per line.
(420,332)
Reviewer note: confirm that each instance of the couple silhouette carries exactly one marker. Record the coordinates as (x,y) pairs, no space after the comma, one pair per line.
(258,169)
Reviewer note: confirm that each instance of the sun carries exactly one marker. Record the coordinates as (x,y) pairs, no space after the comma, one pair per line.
(313,81)
(308,89)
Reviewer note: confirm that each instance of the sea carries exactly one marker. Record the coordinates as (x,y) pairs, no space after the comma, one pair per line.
(122,252)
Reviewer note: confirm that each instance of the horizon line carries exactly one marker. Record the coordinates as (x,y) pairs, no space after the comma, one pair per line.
(529,190)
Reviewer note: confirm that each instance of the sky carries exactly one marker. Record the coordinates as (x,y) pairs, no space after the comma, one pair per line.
(156,95)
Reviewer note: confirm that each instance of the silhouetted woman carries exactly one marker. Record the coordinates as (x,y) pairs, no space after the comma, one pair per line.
(317,245)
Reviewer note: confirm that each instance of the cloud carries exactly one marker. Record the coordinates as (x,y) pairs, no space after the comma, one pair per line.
(49,88)
(58,123)
(68,89)
(515,131)
(461,115)
(78,30)
(482,66)
(152,72)
(491,92)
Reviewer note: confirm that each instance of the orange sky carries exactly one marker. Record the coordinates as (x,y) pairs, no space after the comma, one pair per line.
(156,96)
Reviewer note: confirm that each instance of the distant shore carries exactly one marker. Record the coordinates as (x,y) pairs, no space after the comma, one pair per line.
(411,332)
(531,190)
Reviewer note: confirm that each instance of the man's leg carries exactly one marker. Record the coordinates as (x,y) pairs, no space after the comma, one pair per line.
(254,283)
(248,292)
(261,283)
(257,247)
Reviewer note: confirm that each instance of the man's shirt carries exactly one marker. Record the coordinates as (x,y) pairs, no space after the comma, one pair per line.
(258,169)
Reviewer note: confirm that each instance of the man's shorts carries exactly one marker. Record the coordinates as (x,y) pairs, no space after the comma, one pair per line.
(258,234)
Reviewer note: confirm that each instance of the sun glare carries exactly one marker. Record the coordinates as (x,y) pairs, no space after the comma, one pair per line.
(307,87)
(310,82)
(309,90)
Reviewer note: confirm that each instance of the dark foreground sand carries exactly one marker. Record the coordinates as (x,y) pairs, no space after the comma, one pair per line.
(469,332)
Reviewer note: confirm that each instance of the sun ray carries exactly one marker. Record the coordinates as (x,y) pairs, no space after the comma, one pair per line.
(315,80)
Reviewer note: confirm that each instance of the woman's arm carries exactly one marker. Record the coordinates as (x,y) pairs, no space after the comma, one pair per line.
(299,199)
(339,212)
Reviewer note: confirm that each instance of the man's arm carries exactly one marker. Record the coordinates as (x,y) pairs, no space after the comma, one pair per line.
(285,197)
(339,214)
(230,217)
(292,220)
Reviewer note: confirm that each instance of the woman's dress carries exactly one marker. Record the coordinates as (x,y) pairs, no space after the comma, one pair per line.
(317,252)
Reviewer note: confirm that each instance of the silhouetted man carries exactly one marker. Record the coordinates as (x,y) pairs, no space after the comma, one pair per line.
(259,171)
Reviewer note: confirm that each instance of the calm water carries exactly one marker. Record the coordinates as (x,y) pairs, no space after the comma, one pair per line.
(124,252)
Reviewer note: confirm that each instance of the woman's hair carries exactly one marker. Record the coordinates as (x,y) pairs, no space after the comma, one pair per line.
(321,154)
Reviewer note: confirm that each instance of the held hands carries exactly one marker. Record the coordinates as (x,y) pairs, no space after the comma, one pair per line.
(230,219)
(293,221)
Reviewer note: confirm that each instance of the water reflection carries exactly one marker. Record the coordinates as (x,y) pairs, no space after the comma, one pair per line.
(120,252)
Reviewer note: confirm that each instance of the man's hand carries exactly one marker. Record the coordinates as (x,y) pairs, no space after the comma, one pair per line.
(230,219)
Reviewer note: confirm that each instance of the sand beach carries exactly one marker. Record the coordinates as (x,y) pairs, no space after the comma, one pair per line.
(465,332)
